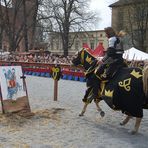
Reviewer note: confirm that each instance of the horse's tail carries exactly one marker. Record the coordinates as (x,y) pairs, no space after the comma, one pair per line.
(145,80)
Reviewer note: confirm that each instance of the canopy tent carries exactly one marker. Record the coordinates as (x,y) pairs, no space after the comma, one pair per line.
(135,54)
(85,45)
(98,52)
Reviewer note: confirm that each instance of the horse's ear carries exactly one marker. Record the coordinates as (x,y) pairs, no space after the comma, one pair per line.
(77,52)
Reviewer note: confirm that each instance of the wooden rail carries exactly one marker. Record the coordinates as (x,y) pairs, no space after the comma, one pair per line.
(44,67)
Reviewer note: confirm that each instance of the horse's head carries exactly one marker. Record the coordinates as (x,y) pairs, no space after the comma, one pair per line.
(77,58)
(83,58)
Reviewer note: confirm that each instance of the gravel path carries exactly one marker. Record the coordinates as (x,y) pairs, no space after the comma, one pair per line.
(56,124)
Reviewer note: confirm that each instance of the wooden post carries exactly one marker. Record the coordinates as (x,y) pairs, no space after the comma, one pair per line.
(3,111)
(55,90)
(25,89)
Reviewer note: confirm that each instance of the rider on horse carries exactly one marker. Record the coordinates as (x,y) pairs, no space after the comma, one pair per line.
(113,60)
(109,65)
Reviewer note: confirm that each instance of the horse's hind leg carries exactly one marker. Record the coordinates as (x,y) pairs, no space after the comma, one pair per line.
(137,125)
(102,113)
(125,121)
(84,109)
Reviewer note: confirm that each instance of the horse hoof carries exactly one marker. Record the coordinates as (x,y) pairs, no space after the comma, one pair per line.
(133,132)
(81,115)
(102,113)
(121,123)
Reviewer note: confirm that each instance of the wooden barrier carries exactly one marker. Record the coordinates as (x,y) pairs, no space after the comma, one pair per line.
(47,68)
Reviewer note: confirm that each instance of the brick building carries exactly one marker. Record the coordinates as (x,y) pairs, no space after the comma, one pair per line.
(130,15)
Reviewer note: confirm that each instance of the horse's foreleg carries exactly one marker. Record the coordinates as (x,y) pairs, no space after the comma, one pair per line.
(84,109)
(125,121)
(137,125)
(102,113)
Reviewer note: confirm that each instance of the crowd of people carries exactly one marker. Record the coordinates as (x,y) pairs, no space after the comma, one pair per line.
(38,58)
(52,59)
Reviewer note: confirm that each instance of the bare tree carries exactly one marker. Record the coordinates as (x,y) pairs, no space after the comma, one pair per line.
(138,23)
(44,24)
(68,15)
(19,19)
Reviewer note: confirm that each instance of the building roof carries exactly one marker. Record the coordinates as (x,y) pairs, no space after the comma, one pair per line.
(125,2)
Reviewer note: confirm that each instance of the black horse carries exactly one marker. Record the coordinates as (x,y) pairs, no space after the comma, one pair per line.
(125,91)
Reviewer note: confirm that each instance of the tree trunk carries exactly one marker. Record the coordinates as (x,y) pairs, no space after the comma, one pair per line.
(32,40)
(25,26)
(1,38)
(65,48)
(65,44)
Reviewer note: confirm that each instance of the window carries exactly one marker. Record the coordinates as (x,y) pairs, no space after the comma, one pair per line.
(57,44)
(77,45)
(92,45)
(70,44)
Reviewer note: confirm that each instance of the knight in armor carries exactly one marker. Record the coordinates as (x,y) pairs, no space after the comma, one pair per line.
(112,60)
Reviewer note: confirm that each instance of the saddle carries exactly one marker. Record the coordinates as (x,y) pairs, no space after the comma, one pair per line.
(108,69)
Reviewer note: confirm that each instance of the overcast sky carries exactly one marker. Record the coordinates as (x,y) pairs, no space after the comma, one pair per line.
(104,12)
